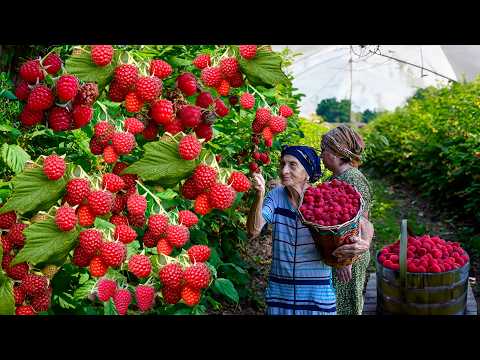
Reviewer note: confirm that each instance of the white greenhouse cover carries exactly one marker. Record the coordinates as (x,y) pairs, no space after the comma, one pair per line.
(373,81)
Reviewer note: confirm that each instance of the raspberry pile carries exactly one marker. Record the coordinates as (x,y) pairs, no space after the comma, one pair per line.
(331,203)
(425,254)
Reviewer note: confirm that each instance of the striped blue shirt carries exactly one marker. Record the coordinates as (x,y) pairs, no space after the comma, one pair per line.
(299,282)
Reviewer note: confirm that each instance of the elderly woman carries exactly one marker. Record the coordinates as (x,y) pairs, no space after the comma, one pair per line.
(299,282)
(341,148)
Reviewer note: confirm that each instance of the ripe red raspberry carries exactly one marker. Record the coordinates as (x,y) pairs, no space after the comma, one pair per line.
(18,272)
(148,88)
(132,103)
(267,133)
(40,98)
(160,69)
(150,132)
(285,111)
(221,196)
(104,131)
(190,297)
(67,87)
(257,126)
(199,253)
(6,260)
(30,118)
(202,206)
(124,234)
(171,276)
(137,220)
(106,289)
(96,146)
(52,63)
(18,294)
(25,310)
(202,61)
(171,296)
(22,90)
(197,276)
(239,181)
(112,182)
(77,190)
(236,80)
(264,158)
(65,218)
(7,219)
(34,284)
(122,299)
(90,241)
(269,142)
(177,235)
(113,253)
(224,88)
(119,219)
(263,116)
(102,54)
(130,181)
(140,266)
(41,302)
(136,204)
(187,83)
(211,76)
(162,111)
(123,142)
(16,236)
(60,119)
(204,99)
(233,100)
(247,101)
(80,257)
(100,202)
(116,92)
(87,94)
(248,51)
(30,71)
(204,131)
(190,189)
(220,108)
(119,203)
(133,125)
(157,224)
(189,147)
(82,114)
(110,156)
(119,167)
(253,166)
(149,240)
(163,247)
(190,115)
(126,76)
(174,127)
(54,167)
(187,218)
(7,245)
(204,176)
(277,124)
(229,66)
(145,296)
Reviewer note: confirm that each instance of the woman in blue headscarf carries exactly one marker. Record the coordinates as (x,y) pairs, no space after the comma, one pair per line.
(299,282)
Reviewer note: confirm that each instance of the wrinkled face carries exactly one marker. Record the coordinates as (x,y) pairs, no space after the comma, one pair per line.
(329,160)
(292,171)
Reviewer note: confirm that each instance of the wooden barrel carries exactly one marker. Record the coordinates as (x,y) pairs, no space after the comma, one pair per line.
(422,293)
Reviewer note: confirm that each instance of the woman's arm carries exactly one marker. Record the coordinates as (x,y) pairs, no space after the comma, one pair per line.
(255,220)
(360,245)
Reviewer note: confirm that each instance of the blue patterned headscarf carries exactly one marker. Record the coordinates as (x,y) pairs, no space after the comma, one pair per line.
(308,158)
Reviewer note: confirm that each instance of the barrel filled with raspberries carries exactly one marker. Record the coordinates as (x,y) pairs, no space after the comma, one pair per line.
(331,211)
(422,275)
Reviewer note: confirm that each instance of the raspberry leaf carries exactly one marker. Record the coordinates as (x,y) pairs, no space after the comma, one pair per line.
(15,157)
(46,243)
(83,291)
(34,191)
(265,69)
(7,301)
(103,224)
(161,163)
(226,288)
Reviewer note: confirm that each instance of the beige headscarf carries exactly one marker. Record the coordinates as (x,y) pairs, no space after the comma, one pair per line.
(345,143)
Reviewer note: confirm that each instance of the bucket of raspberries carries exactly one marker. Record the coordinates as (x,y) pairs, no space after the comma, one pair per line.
(332,211)
(425,254)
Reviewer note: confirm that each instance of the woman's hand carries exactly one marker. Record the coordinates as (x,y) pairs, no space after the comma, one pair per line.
(348,251)
(258,183)
(344,274)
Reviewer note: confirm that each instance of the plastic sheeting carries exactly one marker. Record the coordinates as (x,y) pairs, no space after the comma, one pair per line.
(373,81)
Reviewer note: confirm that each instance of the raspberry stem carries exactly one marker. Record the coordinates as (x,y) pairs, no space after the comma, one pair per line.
(261,96)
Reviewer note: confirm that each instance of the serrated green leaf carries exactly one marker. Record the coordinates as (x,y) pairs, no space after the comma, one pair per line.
(264,69)
(183,311)
(83,291)
(161,163)
(44,242)
(109,308)
(214,258)
(83,278)
(7,301)
(15,157)
(132,248)
(226,288)
(103,224)
(236,267)
(4,127)
(167,194)
(64,302)
(8,94)
(34,191)
(81,65)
